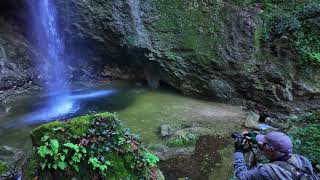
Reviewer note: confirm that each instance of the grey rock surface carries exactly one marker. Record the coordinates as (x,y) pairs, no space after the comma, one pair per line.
(14,160)
(216,60)
(17,69)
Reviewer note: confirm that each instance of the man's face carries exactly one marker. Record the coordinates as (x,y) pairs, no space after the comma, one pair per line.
(268,151)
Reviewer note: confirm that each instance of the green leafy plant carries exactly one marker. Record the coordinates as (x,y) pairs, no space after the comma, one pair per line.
(152,160)
(183,140)
(306,142)
(305,134)
(307,118)
(110,136)
(310,9)
(97,164)
(308,47)
(314,117)
(314,57)
(53,156)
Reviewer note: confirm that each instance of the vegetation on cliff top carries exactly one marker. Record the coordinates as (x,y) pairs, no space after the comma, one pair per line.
(89,146)
(295,20)
(192,26)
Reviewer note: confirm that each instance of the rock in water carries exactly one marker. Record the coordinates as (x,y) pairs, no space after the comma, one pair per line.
(11,161)
(166,130)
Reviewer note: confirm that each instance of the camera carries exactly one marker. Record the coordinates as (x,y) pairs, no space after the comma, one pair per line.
(237,136)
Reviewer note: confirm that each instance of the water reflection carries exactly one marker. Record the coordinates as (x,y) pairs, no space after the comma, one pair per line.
(62,107)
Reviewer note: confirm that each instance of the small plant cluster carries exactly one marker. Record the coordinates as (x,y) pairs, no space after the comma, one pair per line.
(305,134)
(308,46)
(183,140)
(54,155)
(306,141)
(110,136)
(311,117)
(105,141)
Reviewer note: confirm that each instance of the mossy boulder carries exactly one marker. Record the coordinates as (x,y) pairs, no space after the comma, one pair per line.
(76,127)
(93,146)
(11,161)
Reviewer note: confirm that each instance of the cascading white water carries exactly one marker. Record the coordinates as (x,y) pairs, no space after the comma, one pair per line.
(50,44)
(52,61)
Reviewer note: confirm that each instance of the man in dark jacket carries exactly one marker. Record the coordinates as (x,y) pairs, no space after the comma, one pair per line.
(277,147)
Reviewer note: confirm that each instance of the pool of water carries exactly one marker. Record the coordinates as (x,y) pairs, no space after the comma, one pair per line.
(140,108)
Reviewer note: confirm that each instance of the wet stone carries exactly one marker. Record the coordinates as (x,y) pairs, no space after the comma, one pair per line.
(252,120)
(13,159)
(166,130)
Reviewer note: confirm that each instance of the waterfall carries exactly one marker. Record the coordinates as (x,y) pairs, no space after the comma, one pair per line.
(142,37)
(52,59)
(52,49)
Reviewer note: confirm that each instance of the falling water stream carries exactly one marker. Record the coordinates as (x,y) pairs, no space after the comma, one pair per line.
(52,65)
(51,47)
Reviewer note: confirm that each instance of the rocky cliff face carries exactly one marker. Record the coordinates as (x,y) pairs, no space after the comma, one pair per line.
(202,48)
(16,53)
(210,49)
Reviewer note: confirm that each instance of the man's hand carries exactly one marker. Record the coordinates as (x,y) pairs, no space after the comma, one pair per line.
(239,146)
(251,136)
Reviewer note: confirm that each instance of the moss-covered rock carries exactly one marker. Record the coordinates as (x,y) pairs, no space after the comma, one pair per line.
(91,146)
(75,127)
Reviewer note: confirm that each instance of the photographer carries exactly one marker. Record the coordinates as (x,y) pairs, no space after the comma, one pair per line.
(277,147)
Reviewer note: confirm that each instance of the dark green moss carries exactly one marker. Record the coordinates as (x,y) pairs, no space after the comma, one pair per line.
(120,167)
(189,26)
(75,127)
(31,168)
(3,167)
